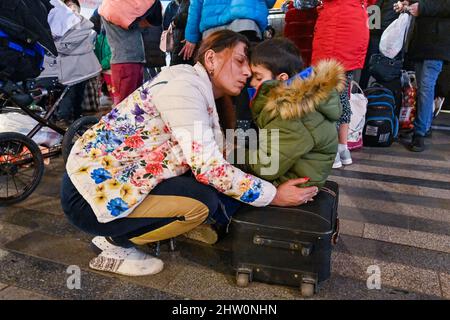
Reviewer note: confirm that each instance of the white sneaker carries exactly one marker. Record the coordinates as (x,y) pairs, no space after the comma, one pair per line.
(127,261)
(337,162)
(346,157)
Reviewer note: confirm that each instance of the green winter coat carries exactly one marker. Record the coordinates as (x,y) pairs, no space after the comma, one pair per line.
(305,112)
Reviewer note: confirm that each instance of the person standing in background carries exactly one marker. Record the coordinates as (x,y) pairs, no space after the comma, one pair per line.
(342,33)
(179,25)
(170,12)
(127,46)
(429,48)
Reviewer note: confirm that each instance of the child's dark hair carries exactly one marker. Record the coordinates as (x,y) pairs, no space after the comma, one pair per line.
(279,55)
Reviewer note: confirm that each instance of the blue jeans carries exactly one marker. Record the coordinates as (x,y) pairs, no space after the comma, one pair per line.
(427,73)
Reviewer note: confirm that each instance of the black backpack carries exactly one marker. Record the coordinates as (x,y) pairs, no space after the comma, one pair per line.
(381,127)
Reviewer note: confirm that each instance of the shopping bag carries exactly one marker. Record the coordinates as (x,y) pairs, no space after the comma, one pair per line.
(393,38)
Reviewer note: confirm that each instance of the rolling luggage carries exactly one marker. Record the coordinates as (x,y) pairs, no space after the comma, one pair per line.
(289,246)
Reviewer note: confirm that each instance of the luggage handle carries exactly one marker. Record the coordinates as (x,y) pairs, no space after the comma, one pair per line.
(305,248)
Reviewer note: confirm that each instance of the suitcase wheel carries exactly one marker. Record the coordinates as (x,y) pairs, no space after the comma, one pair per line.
(243,279)
(307,289)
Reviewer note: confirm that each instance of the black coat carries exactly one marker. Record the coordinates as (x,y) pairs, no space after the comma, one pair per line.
(180,21)
(388,15)
(431,35)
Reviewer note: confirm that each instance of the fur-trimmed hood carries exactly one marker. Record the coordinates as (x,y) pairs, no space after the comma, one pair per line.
(303,96)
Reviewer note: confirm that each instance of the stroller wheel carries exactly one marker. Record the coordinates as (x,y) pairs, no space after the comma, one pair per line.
(74,132)
(21,167)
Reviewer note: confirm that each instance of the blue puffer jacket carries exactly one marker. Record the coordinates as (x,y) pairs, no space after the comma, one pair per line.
(207,14)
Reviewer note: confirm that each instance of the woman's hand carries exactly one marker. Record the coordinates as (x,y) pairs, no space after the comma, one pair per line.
(289,195)
(187,50)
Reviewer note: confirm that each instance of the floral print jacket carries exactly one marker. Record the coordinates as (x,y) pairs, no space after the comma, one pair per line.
(165,128)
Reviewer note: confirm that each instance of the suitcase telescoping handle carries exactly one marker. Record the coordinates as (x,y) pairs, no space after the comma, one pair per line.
(304,248)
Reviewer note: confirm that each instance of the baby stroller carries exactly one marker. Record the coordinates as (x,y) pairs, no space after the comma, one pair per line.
(23,48)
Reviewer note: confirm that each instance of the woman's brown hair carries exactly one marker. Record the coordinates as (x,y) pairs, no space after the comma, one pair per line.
(219,41)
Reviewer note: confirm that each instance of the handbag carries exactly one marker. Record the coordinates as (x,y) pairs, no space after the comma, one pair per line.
(166,43)
(384,69)
(307,4)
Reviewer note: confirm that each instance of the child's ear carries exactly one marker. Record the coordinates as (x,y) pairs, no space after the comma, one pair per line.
(282,76)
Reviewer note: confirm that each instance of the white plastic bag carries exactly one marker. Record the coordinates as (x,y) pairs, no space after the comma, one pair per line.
(393,38)
(358,103)
(17,122)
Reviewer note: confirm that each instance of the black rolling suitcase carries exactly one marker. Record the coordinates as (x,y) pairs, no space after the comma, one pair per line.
(288,246)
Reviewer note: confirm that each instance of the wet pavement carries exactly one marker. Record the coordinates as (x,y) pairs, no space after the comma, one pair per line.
(395,217)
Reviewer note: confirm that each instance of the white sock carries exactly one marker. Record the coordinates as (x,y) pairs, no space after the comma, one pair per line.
(342,147)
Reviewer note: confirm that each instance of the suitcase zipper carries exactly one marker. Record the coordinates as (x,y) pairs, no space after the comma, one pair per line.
(328,190)
(335,235)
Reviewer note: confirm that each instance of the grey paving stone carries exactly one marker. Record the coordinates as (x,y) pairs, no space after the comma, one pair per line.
(392,207)
(401,277)
(42,221)
(3,286)
(414,165)
(389,159)
(401,195)
(407,237)
(402,172)
(10,232)
(398,150)
(347,288)
(444,279)
(352,228)
(373,188)
(130,291)
(394,220)
(54,248)
(51,279)
(14,293)
(199,282)
(445,185)
(41,202)
(394,253)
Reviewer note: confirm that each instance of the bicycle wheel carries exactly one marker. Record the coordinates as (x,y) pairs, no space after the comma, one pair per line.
(21,167)
(74,132)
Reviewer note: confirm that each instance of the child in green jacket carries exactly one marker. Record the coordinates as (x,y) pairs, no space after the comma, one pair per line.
(303,107)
